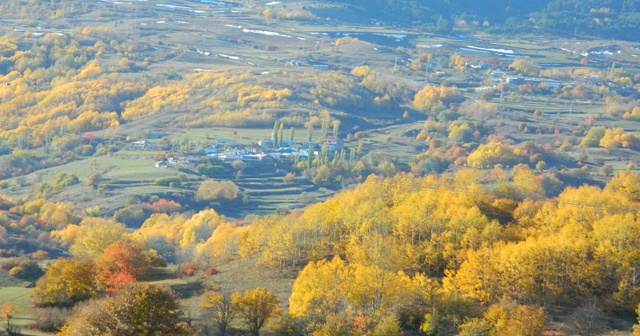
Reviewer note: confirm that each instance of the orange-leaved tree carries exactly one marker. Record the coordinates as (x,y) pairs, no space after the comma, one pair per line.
(122,263)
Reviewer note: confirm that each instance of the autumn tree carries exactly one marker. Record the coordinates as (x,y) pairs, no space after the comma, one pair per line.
(361,71)
(121,263)
(506,318)
(199,227)
(626,183)
(617,137)
(636,327)
(220,310)
(91,237)
(434,97)
(216,191)
(634,114)
(526,183)
(56,215)
(494,153)
(138,309)
(94,180)
(318,290)
(8,314)
(66,282)
(526,66)
(256,306)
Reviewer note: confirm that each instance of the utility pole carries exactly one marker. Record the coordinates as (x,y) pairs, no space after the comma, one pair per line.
(570,108)
(426,73)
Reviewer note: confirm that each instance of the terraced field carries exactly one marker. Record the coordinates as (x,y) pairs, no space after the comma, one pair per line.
(266,193)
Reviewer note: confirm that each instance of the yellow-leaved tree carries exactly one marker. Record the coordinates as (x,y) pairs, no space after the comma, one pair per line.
(256,306)
(434,97)
(91,237)
(66,282)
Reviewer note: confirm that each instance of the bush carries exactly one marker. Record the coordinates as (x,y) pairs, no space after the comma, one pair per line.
(210,169)
(24,269)
(289,178)
(169,181)
(593,137)
(63,180)
(188,269)
(133,215)
(216,191)
(94,180)
(50,319)
(40,255)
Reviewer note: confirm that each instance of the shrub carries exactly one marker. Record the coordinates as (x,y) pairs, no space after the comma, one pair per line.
(188,269)
(593,137)
(169,181)
(133,215)
(211,270)
(216,191)
(23,268)
(289,178)
(50,319)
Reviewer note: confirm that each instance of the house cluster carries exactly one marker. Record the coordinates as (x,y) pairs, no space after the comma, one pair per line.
(264,154)
(173,162)
(141,145)
(534,81)
(590,80)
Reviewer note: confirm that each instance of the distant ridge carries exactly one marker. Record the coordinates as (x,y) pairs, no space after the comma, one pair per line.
(616,19)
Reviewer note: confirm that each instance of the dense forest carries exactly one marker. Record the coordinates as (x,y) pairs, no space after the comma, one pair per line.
(470,254)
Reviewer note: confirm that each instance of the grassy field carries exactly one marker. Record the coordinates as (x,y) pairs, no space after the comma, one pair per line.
(20,297)
(279,281)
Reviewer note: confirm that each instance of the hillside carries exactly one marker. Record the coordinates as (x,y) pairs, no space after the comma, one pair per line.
(605,18)
(377,167)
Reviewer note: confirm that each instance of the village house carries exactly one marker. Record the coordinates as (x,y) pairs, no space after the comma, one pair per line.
(267,143)
(259,160)
(154,135)
(223,142)
(314,145)
(591,80)
(550,83)
(335,144)
(141,145)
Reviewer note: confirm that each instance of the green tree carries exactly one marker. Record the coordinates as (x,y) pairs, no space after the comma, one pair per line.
(336,128)
(593,137)
(310,131)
